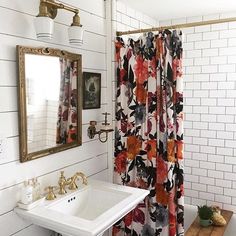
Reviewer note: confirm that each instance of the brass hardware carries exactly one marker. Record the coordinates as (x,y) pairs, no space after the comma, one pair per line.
(76,20)
(62,182)
(44,21)
(49,8)
(106,114)
(72,180)
(43,10)
(177,26)
(92,129)
(50,195)
(72,185)
(25,155)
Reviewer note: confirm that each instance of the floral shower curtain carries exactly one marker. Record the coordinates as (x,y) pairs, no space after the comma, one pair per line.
(149,132)
(67,109)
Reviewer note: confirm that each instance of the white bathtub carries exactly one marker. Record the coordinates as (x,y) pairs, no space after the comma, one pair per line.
(190,212)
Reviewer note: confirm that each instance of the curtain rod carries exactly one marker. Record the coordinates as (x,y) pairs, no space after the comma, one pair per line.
(177,26)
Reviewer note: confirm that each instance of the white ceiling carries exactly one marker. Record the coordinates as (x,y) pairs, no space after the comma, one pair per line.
(171,9)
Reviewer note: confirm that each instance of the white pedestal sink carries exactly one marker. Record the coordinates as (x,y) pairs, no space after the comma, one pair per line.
(88,211)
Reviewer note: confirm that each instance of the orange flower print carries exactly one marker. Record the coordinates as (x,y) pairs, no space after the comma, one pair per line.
(139,183)
(149,127)
(171,150)
(149,132)
(161,170)
(170,125)
(128,219)
(176,68)
(161,195)
(138,215)
(121,162)
(179,149)
(123,75)
(141,70)
(133,147)
(115,230)
(172,225)
(159,47)
(141,93)
(152,67)
(172,205)
(142,184)
(151,149)
(71,135)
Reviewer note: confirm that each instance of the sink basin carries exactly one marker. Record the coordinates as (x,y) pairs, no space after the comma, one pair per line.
(89,203)
(88,211)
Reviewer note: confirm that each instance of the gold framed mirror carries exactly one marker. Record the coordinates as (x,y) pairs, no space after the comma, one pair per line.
(50,98)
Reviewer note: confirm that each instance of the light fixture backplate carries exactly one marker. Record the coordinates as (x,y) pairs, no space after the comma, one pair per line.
(52,10)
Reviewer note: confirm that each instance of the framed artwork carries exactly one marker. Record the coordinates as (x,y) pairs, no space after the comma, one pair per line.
(91,90)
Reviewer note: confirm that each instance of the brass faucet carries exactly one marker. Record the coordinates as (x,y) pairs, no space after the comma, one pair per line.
(72,180)
(62,182)
(50,195)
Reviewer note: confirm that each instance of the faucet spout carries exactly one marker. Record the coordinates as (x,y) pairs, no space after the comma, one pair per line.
(83,176)
(74,178)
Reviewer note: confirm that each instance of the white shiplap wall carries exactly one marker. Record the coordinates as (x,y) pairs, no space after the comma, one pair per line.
(210,111)
(16,28)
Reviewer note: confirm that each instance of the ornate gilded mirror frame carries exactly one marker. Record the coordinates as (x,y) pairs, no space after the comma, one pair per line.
(22,51)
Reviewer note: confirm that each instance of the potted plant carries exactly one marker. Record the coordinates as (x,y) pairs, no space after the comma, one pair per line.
(205,214)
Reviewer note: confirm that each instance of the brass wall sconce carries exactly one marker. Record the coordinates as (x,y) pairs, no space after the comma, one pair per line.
(44,24)
(106,128)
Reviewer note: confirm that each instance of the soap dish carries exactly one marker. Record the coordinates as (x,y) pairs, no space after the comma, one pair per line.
(31,205)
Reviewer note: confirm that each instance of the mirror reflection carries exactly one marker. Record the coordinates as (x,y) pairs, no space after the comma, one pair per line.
(52,103)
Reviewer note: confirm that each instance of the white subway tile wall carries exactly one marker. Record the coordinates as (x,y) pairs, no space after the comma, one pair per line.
(126,18)
(210,113)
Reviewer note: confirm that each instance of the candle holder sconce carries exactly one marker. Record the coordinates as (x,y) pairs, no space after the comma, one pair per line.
(106,128)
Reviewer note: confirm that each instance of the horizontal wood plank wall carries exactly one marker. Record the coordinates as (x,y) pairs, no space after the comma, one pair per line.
(16,28)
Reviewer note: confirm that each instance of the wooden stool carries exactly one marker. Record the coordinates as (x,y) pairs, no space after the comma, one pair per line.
(196,230)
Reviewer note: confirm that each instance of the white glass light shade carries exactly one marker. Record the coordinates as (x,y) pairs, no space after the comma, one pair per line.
(44,27)
(76,35)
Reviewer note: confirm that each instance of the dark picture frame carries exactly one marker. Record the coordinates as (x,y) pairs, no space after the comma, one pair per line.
(91,90)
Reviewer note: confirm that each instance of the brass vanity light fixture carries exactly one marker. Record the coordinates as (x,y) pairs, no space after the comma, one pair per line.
(92,131)
(44,22)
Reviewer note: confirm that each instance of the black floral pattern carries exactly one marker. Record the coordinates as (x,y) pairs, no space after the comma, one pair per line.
(149,134)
